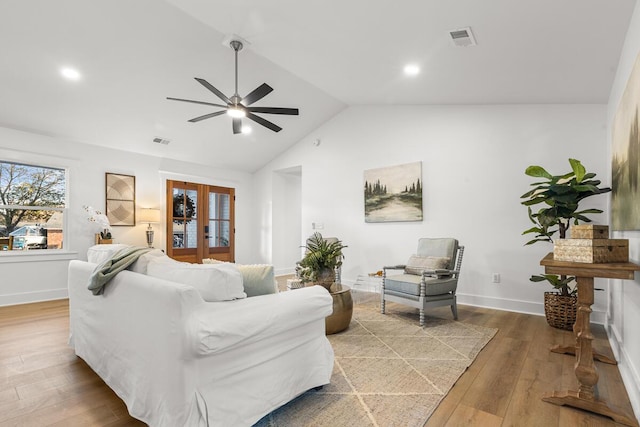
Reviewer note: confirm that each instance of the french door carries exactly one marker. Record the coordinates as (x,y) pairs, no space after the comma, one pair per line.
(201,222)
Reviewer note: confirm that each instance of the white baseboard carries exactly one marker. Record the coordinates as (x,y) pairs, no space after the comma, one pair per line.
(518,306)
(628,371)
(526,307)
(36,296)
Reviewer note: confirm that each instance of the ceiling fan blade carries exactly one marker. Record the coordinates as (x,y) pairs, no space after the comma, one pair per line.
(196,102)
(274,110)
(263,122)
(207,116)
(257,94)
(237,126)
(208,85)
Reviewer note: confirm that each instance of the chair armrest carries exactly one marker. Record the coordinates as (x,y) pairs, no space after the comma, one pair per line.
(394,267)
(439,272)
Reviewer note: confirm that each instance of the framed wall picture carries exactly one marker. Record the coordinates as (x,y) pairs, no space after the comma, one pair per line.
(625,161)
(120,199)
(393,193)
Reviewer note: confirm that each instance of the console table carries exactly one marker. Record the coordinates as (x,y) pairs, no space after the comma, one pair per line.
(585,369)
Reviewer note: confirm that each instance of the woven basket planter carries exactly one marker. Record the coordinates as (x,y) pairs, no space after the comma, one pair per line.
(560,310)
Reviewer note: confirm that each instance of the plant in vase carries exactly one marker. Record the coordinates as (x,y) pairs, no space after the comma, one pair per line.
(561,196)
(320,261)
(103,227)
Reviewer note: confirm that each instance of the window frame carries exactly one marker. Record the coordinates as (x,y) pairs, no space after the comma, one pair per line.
(64,253)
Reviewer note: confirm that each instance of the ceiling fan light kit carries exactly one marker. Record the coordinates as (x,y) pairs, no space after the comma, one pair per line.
(236,106)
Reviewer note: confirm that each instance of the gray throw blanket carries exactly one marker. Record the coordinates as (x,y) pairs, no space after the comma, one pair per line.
(114,265)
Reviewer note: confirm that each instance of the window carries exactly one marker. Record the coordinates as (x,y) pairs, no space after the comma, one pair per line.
(32,203)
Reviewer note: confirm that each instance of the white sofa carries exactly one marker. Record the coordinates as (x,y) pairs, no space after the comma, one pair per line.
(176,360)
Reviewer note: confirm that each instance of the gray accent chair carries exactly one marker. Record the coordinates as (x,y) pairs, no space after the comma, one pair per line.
(423,288)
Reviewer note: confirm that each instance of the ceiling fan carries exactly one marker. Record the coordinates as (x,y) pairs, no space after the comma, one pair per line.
(238,107)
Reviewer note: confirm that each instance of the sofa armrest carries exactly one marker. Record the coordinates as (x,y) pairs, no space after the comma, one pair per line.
(219,326)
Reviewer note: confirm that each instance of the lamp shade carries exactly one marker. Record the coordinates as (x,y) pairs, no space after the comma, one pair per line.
(149,215)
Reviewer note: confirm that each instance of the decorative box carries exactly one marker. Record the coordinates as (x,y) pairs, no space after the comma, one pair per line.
(591,250)
(589,231)
(294,284)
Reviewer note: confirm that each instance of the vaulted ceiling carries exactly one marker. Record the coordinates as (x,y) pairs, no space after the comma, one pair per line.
(319,57)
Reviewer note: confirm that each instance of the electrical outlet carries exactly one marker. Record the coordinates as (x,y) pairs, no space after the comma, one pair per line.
(496,278)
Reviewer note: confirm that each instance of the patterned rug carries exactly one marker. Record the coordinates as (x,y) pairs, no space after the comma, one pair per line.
(388,370)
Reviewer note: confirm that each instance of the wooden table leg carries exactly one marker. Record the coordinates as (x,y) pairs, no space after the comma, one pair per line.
(585,369)
(571,349)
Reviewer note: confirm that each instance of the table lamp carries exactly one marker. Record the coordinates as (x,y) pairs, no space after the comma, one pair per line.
(149,215)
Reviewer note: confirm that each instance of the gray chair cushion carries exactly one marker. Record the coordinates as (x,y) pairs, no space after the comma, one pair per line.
(410,284)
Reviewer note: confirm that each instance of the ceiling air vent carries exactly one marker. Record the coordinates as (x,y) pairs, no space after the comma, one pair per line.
(462,37)
(162,141)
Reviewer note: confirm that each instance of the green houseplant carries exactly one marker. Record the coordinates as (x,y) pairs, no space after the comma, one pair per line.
(321,260)
(560,196)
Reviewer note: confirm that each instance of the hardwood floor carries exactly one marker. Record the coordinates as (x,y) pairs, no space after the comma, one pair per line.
(42,382)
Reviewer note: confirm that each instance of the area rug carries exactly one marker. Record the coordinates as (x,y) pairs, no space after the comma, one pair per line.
(388,370)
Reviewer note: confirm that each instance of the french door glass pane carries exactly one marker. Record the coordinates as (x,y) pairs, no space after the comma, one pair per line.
(178,234)
(218,234)
(224,233)
(192,201)
(192,234)
(224,207)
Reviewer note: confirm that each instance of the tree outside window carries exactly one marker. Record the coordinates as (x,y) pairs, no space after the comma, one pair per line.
(32,202)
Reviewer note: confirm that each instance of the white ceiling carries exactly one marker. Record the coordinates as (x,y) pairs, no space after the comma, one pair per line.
(318,56)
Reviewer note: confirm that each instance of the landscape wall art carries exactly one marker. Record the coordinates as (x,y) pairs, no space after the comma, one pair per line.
(393,193)
(625,209)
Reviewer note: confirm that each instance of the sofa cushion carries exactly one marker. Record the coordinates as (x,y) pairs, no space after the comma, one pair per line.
(214,282)
(98,254)
(418,263)
(257,279)
(140,266)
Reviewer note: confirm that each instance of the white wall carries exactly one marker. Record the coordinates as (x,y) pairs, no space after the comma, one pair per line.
(28,277)
(473,162)
(623,311)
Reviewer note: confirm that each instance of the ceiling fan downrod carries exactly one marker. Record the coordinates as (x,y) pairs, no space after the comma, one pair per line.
(236,45)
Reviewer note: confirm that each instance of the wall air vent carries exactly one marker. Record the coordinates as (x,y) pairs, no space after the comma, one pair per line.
(462,37)
(162,141)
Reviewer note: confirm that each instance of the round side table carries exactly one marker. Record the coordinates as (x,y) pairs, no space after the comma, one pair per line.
(342,309)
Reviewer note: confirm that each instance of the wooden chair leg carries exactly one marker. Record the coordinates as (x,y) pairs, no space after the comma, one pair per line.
(382,302)
(454,308)
(422,317)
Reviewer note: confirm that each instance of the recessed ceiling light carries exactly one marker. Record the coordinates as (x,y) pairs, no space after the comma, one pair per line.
(411,70)
(246,130)
(70,73)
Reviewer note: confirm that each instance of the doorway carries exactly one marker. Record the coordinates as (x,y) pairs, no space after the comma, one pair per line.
(201,222)
(287,218)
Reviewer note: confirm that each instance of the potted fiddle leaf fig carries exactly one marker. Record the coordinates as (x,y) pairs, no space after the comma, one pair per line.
(560,196)
(320,261)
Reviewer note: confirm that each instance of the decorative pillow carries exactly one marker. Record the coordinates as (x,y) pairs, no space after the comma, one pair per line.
(418,263)
(140,266)
(220,282)
(98,254)
(257,279)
